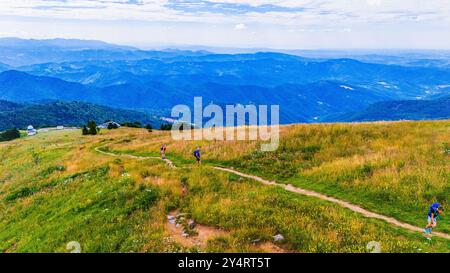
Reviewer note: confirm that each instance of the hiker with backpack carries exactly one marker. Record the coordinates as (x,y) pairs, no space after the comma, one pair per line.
(163,151)
(434,213)
(197,155)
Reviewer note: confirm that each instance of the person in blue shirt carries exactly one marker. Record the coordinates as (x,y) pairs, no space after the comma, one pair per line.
(197,155)
(434,212)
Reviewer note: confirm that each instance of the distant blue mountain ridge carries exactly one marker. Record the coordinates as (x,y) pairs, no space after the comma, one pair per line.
(299,103)
(19,52)
(307,90)
(398,110)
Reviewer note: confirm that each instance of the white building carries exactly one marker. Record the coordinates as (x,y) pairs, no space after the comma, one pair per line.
(31,131)
(105,125)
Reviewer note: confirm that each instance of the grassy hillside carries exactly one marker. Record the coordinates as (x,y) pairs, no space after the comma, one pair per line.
(394,168)
(56,188)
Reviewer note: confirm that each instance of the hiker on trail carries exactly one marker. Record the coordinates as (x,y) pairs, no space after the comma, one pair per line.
(197,155)
(434,213)
(163,151)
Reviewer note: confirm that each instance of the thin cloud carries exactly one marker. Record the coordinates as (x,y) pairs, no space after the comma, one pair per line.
(240,26)
(393,22)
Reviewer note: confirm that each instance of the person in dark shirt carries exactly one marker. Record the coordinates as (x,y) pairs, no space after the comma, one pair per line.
(434,212)
(197,155)
(163,151)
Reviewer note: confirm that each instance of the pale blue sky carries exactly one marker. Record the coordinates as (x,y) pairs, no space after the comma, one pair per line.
(286,24)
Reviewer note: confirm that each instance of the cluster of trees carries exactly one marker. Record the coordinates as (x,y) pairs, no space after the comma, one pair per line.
(9,135)
(90,129)
(112,126)
(183,126)
(165,127)
(135,124)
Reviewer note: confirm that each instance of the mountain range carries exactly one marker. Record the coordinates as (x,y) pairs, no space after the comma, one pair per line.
(399,110)
(19,52)
(307,89)
(299,103)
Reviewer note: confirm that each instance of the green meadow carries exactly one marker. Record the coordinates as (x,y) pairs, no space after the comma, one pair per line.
(57,187)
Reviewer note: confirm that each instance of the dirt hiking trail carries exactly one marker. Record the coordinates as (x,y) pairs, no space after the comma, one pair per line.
(168,162)
(291,188)
(344,204)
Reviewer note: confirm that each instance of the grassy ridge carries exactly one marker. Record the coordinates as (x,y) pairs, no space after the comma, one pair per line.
(55,188)
(397,169)
(252,211)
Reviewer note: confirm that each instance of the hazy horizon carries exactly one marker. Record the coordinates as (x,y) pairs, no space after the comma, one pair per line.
(230,49)
(273,24)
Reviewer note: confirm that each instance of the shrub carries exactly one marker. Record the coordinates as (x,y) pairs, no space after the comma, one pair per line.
(149,128)
(90,129)
(85,130)
(23,192)
(135,124)
(146,197)
(365,171)
(52,169)
(92,126)
(112,126)
(446,147)
(9,135)
(186,126)
(36,158)
(165,127)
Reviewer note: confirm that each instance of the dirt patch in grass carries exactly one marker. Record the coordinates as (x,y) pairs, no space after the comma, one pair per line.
(270,248)
(205,233)
(200,239)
